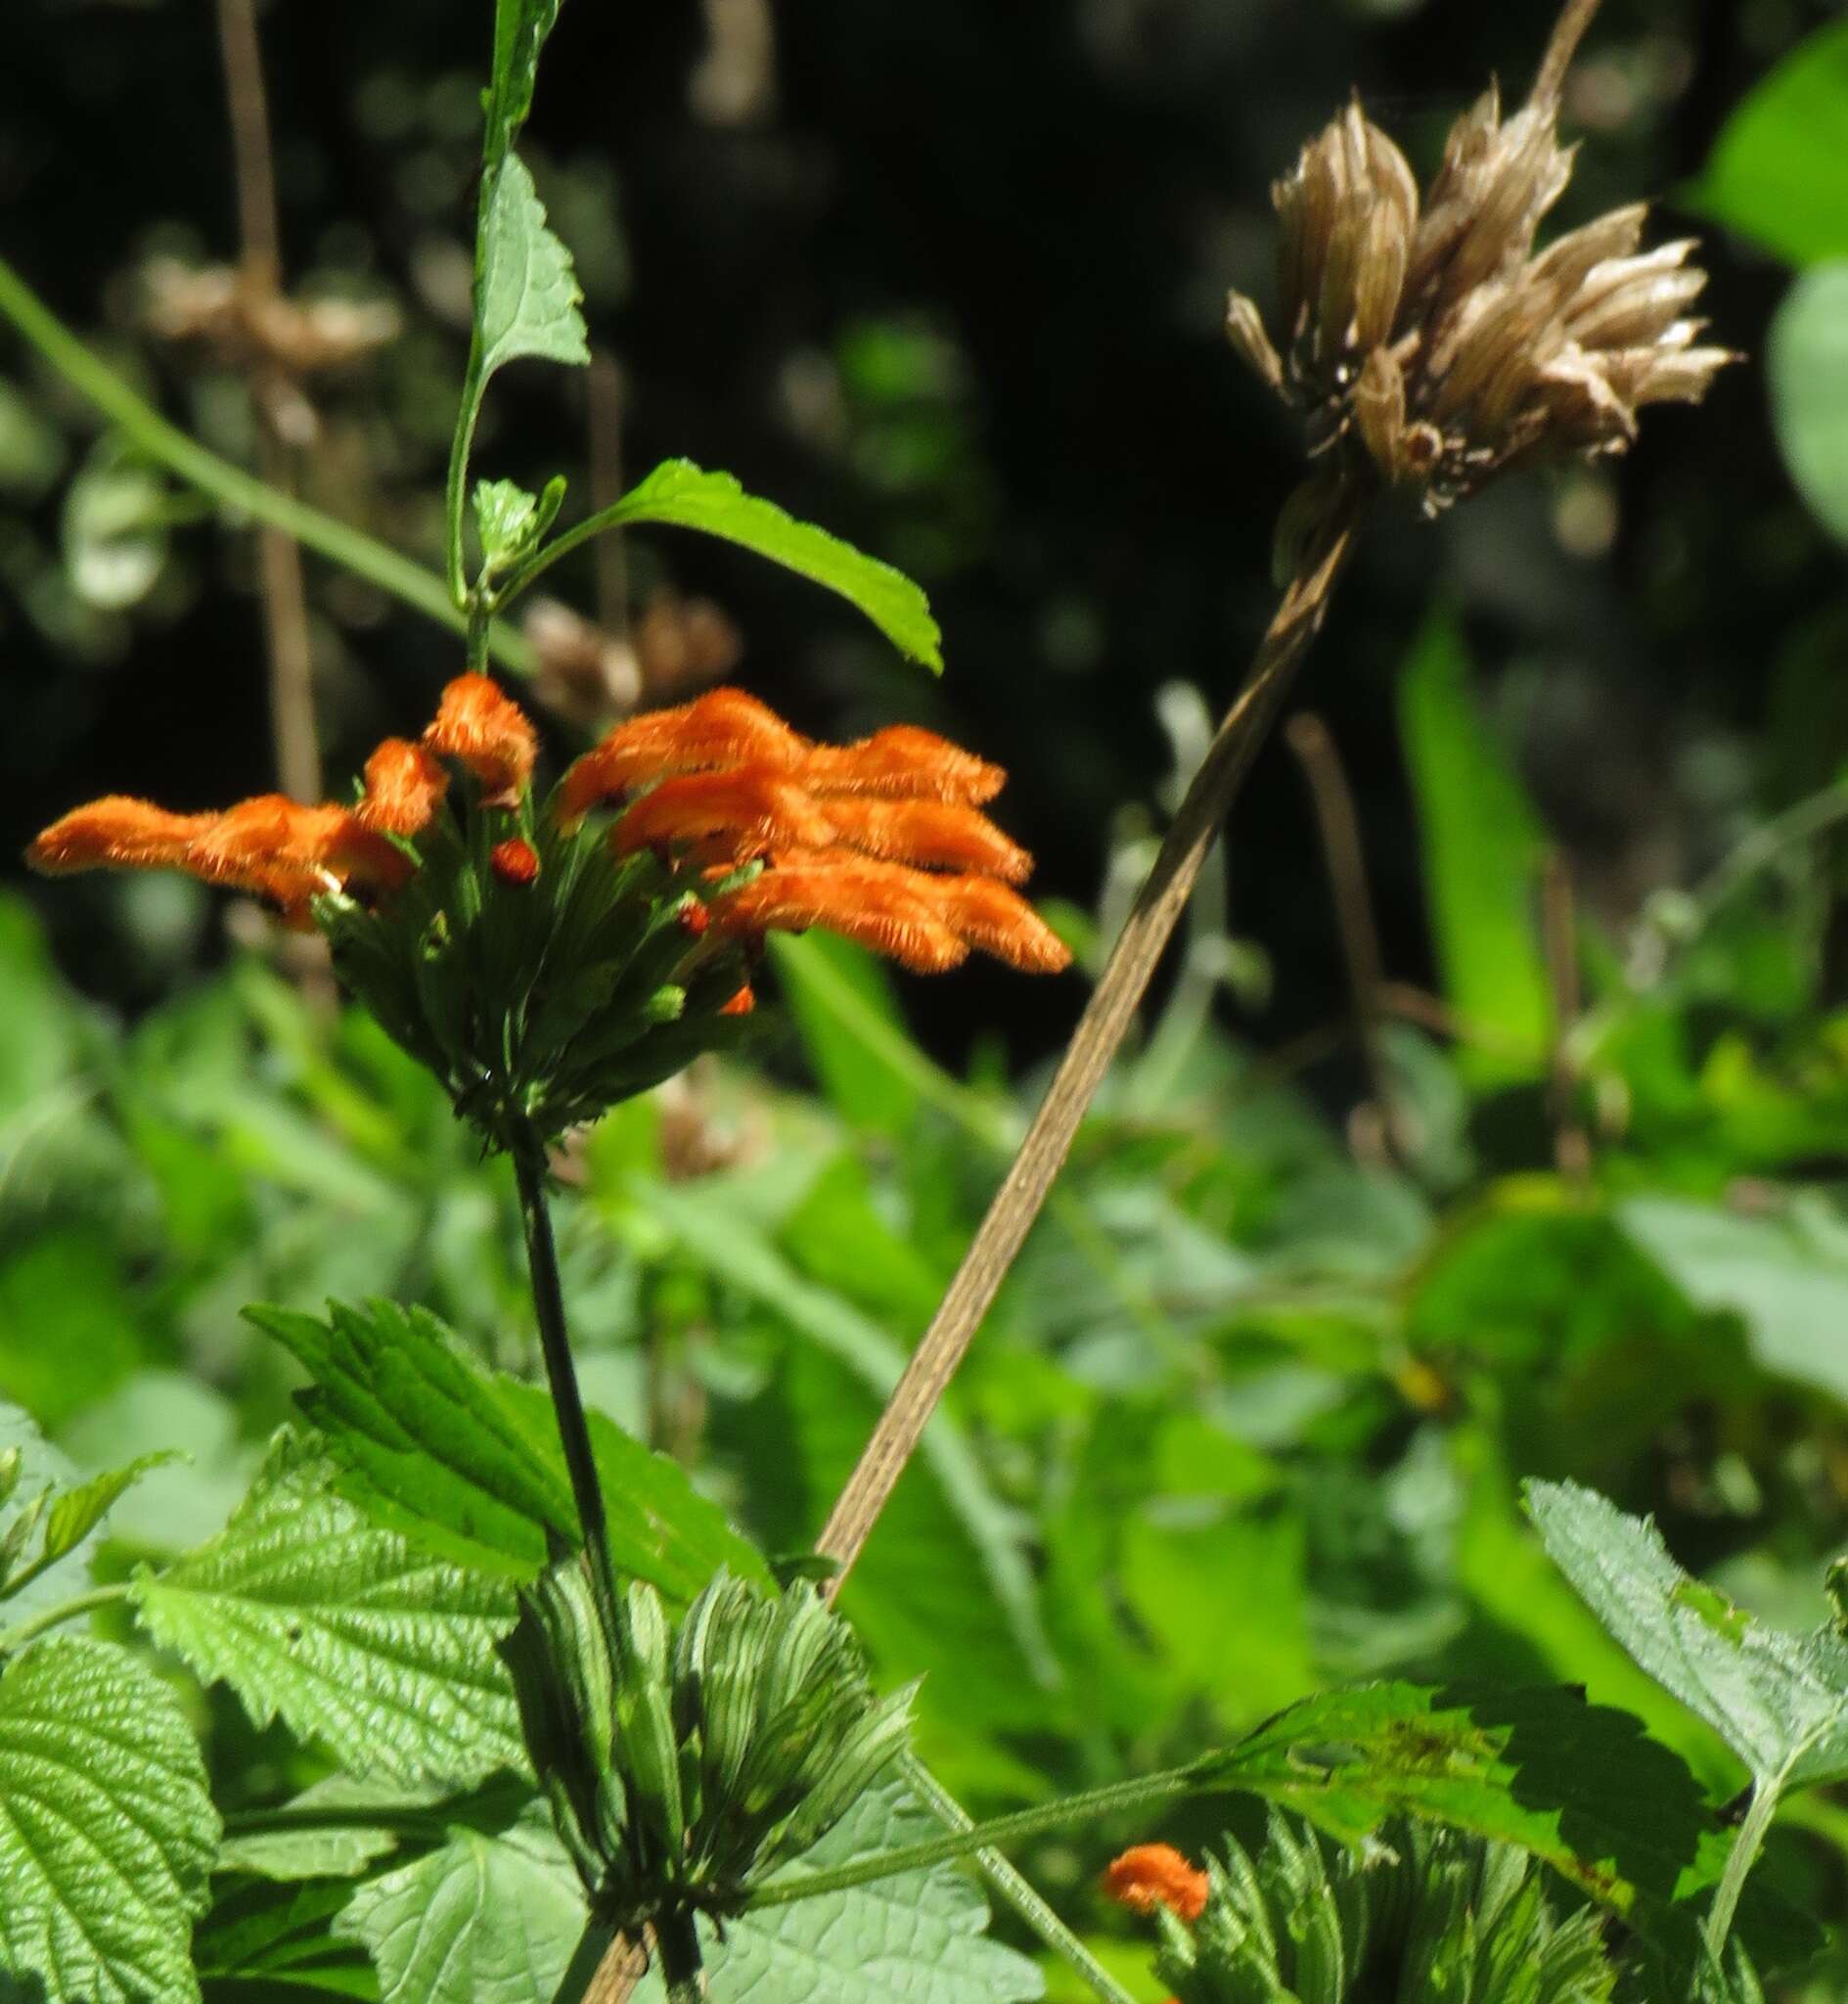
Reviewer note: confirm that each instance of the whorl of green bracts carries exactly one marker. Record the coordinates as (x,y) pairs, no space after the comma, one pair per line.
(686,1763)
(541,1003)
(1419,1915)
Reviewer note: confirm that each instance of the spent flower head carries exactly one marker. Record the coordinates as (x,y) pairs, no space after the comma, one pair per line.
(684,1762)
(546,960)
(1429,343)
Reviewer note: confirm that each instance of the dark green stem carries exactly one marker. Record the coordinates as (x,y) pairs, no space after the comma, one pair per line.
(34,1625)
(683,1968)
(548,1301)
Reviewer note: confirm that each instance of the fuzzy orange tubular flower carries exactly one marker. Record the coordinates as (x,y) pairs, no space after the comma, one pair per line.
(860,904)
(723,728)
(1151,1874)
(404,786)
(903,761)
(750,809)
(479,726)
(118,833)
(935,835)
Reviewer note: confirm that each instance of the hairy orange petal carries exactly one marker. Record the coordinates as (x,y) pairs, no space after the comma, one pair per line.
(279,848)
(741,1003)
(403,785)
(1000,921)
(933,834)
(116,833)
(903,761)
(859,905)
(756,807)
(1151,1874)
(480,725)
(514,862)
(722,728)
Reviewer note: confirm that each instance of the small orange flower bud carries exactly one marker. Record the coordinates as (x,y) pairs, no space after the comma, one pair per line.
(514,861)
(403,785)
(759,808)
(933,834)
(903,761)
(740,1004)
(116,833)
(481,726)
(1151,1874)
(723,728)
(695,918)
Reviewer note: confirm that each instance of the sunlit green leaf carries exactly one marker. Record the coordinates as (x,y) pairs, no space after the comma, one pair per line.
(107,1831)
(265,1944)
(686,495)
(526,302)
(521,28)
(1806,361)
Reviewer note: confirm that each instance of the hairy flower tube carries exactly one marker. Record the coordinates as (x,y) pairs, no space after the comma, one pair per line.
(686,1762)
(545,964)
(1430,344)
(1417,1913)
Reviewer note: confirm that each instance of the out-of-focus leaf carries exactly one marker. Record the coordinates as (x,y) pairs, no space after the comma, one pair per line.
(688,496)
(68,1328)
(1482,848)
(106,1830)
(1806,362)
(485,1918)
(469,1464)
(182,1502)
(1778,172)
(842,1004)
(343,1632)
(115,537)
(31,448)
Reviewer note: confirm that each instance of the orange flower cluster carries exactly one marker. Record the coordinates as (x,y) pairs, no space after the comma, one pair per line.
(279,849)
(1151,1874)
(882,841)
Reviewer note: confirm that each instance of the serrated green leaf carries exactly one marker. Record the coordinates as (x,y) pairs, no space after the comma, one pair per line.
(335,1850)
(342,1630)
(917,1938)
(527,297)
(1777,171)
(106,1830)
(485,1920)
(75,1513)
(1579,1784)
(1482,848)
(521,28)
(274,1944)
(1779,1701)
(1806,364)
(686,496)
(470,1465)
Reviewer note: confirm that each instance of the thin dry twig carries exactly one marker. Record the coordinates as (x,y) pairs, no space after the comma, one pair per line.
(1338,825)
(281,590)
(1568,32)
(1105,1021)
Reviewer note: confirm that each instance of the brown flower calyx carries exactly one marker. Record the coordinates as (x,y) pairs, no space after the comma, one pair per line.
(1429,345)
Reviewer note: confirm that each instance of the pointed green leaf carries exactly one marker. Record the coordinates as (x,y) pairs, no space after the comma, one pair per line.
(521,28)
(485,1920)
(106,1830)
(1779,1701)
(686,496)
(469,1464)
(344,1631)
(275,1944)
(77,1512)
(527,297)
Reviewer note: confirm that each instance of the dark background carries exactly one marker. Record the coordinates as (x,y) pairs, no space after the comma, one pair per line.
(956,294)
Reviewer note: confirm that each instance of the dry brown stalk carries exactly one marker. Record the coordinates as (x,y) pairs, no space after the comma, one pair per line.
(1105,1024)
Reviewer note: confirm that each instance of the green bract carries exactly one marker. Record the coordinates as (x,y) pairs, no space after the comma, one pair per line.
(539,1004)
(685,1763)
(1418,1915)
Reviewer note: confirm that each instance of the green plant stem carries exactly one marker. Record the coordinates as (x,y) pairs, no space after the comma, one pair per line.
(1750,1840)
(230,485)
(400,1819)
(455,486)
(1011,1886)
(34,1625)
(548,1301)
(1144,1791)
(612,517)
